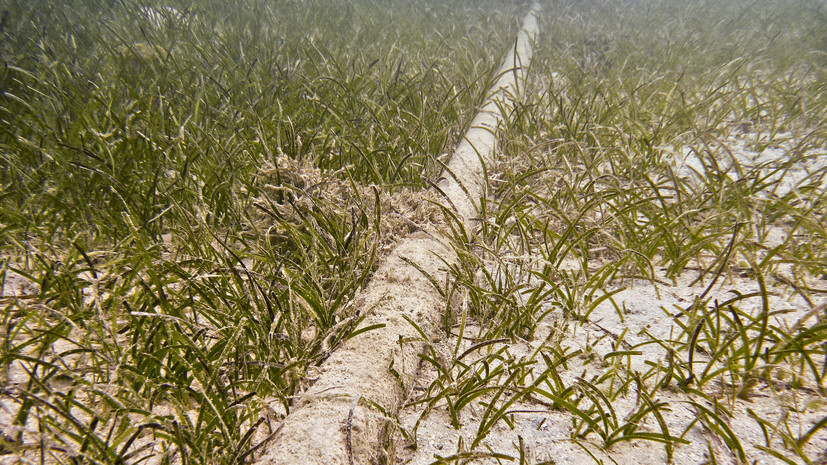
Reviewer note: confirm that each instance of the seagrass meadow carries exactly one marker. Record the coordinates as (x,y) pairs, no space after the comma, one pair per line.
(193,194)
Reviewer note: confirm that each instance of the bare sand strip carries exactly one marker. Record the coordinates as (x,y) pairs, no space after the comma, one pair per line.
(338,420)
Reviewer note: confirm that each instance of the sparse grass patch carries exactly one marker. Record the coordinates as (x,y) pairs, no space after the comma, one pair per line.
(674,148)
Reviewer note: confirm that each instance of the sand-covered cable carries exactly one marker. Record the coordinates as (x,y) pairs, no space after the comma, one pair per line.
(342,417)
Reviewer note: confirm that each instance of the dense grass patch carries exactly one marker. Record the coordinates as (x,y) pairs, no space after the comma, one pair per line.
(185,212)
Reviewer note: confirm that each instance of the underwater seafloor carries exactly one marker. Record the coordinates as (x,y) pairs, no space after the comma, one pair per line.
(195,193)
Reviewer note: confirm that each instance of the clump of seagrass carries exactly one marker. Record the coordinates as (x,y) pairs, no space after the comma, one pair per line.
(289,188)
